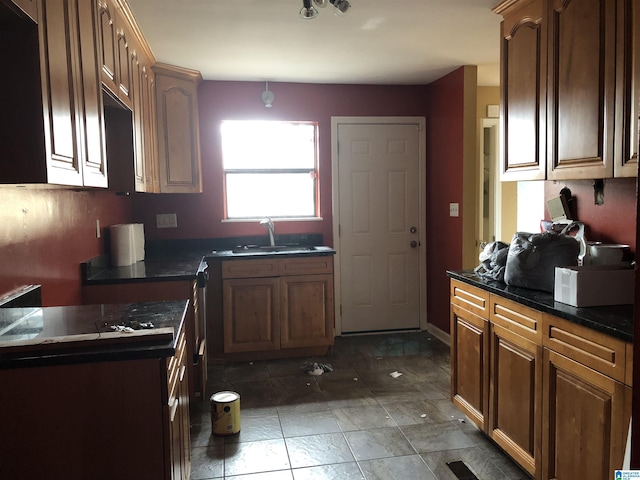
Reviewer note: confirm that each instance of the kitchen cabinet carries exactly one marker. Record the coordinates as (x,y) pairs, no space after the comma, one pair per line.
(523,79)
(58,129)
(551,393)
(515,381)
(277,305)
(115,51)
(587,405)
(470,351)
(627,121)
(162,291)
(102,409)
(567,94)
(178,144)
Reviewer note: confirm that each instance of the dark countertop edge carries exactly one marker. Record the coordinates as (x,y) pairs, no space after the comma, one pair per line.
(151,279)
(136,351)
(229,255)
(580,316)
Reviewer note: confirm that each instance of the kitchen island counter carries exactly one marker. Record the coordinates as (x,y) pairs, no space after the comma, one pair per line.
(42,336)
(616,321)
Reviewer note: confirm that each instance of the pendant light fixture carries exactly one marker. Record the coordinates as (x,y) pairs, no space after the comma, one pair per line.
(309,10)
(267,96)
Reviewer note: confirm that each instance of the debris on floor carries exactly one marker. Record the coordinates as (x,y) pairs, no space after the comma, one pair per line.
(395,374)
(314,368)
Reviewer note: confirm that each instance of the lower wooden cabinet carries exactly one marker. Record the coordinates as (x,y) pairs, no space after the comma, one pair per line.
(549,392)
(585,421)
(277,304)
(515,396)
(125,419)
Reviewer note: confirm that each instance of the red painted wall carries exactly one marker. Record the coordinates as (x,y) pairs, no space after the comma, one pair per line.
(612,222)
(200,215)
(444,185)
(46,233)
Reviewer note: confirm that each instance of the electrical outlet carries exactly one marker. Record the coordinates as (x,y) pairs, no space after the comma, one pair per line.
(454,210)
(166,220)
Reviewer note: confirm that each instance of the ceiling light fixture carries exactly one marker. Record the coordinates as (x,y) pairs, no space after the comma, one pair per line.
(267,96)
(310,11)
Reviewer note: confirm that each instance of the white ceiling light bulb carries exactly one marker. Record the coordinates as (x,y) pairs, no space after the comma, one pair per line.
(267,96)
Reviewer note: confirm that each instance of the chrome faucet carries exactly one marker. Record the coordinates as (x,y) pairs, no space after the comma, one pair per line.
(269,223)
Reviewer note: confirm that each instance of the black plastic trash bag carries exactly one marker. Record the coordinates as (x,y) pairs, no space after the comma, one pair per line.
(533,257)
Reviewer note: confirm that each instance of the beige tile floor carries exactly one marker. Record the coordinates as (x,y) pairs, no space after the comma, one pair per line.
(357,422)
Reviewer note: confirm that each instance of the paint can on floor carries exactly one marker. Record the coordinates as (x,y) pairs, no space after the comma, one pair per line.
(225,413)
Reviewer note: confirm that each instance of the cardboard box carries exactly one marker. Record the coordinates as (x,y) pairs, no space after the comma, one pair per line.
(594,285)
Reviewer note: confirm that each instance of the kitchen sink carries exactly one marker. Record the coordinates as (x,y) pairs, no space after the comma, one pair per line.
(272,248)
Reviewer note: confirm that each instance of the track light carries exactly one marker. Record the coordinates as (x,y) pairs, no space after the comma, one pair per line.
(310,11)
(341,6)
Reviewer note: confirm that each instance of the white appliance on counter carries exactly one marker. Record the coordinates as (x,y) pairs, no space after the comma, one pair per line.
(127,244)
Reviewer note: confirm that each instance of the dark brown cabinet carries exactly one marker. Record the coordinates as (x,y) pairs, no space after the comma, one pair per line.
(523,80)
(58,130)
(569,86)
(554,395)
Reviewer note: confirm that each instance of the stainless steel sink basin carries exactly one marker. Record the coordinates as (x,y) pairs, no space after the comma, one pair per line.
(271,248)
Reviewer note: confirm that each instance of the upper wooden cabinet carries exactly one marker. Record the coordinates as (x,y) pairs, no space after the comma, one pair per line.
(178,141)
(115,52)
(523,79)
(55,132)
(627,121)
(569,89)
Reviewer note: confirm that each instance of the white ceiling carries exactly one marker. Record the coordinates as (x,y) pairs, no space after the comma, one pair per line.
(393,42)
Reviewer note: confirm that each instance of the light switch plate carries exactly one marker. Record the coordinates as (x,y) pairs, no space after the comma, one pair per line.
(454,210)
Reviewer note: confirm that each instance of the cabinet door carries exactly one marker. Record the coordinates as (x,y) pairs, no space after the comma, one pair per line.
(470,364)
(124,75)
(627,140)
(138,121)
(585,420)
(523,79)
(580,120)
(94,167)
(515,396)
(108,56)
(307,311)
(251,316)
(178,130)
(151,181)
(60,87)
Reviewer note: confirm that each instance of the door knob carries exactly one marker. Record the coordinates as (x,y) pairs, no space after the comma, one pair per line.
(414,244)
(413,229)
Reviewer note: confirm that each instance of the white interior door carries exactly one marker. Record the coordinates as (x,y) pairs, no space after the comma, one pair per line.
(380,223)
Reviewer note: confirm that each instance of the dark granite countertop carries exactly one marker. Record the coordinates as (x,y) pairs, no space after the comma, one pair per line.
(37,336)
(183,259)
(616,320)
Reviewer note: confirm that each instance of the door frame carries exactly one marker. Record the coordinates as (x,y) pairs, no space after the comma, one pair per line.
(496,207)
(422,205)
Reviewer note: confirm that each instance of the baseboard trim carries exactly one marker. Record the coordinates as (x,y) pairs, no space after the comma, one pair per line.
(440,334)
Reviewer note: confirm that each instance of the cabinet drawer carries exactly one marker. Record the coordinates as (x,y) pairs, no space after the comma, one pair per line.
(516,318)
(250,268)
(175,364)
(470,298)
(595,350)
(306,265)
